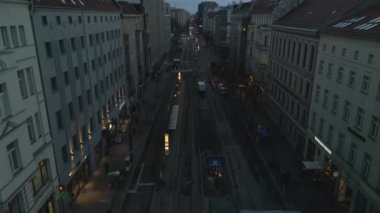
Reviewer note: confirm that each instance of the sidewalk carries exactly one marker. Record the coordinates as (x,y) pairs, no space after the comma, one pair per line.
(297,192)
(98,195)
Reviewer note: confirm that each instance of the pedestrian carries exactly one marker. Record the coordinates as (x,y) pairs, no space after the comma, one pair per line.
(106,167)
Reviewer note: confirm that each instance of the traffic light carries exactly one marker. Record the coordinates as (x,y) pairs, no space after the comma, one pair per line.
(62,191)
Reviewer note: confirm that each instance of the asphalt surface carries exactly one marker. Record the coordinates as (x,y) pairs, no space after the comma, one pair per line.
(206,123)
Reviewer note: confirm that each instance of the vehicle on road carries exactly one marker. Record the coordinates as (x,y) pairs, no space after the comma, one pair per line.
(201,85)
(222,89)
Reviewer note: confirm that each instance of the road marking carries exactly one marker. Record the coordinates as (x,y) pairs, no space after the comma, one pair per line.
(139,177)
(147,184)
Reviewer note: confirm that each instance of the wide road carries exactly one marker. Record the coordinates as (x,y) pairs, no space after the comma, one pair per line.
(207,123)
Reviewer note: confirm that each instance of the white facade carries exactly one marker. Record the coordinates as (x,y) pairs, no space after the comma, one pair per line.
(83,72)
(180,16)
(28,178)
(344,119)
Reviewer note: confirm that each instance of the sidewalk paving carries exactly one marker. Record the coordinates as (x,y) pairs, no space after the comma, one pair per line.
(300,193)
(98,195)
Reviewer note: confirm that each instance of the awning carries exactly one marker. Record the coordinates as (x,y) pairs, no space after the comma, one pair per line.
(311,165)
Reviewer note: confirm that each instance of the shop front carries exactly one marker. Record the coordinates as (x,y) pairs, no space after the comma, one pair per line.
(79,180)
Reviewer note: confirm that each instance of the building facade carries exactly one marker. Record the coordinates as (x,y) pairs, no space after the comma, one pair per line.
(28,177)
(132,30)
(295,41)
(203,8)
(344,114)
(80,51)
(238,37)
(180,16)
(263,14)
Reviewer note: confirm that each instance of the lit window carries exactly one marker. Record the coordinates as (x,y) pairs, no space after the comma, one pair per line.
(40,177)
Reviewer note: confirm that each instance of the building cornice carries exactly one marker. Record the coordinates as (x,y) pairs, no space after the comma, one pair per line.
(298,30)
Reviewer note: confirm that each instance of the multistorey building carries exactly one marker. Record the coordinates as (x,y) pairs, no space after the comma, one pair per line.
(263,14)
(345,111)
(28,177)
(132,30)
(203,8)
(155,27)
(180,16)
(238,36)
(295,40)
(81,57)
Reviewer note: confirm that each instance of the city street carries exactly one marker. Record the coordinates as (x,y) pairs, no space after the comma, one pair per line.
(205,126)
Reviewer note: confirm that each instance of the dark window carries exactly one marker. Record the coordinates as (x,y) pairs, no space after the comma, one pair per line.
(58,19)
(73,46)
(58,116)
(80,102)
(79,19)
(70,20)
(89,98)
(64,153)
(44,20)
(62,46)
(83,43)
(54,85)
(66,77)
(85,67)
(49,51)
(71,110)
(76,71)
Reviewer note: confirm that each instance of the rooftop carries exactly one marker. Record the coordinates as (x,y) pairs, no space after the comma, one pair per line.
(364,23)
(264,6)
(128,8)
(317,13)
(103,5)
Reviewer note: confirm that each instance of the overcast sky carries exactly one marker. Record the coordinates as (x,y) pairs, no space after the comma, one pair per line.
(192,5)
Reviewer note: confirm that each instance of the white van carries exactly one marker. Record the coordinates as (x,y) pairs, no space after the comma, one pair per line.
(201,86)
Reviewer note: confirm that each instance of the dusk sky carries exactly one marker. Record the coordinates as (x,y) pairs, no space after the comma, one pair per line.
(192,5)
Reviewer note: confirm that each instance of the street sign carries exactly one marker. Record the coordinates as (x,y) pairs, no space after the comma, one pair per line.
(215,161)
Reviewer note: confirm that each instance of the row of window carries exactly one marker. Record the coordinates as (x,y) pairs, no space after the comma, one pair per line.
(291,105)
(291,80)
(80,106)
(15,32)
(341,140)
(91,126)
(346,112)
(27,88)
(355,54)
(70,19)
(109,35)
(294,52)
(352,78)
(113,34)
(113,77)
